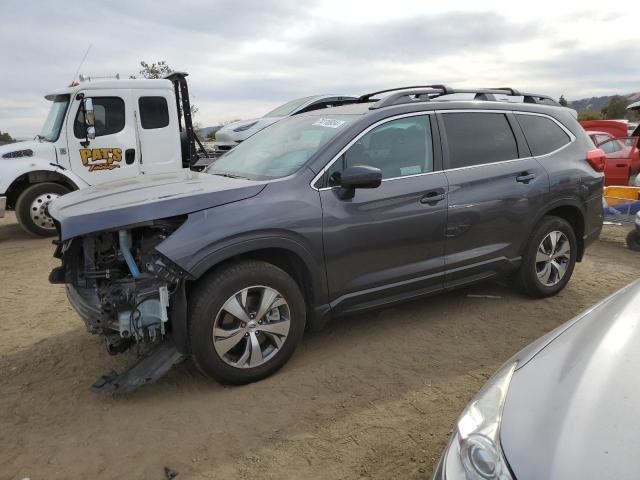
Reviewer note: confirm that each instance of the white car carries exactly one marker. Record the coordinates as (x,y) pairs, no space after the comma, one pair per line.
(231,135)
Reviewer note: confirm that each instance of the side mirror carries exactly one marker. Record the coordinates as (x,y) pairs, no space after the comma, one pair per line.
(89,118)
(358,176)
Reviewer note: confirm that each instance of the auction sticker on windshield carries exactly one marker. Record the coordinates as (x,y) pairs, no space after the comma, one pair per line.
(329,123)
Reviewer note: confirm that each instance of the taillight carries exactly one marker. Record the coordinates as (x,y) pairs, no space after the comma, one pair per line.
(596,158)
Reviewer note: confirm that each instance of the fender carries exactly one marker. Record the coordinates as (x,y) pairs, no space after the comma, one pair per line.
(567,201)
(12,170)
(260,241)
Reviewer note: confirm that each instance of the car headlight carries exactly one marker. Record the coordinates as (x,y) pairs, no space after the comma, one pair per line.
(474,451)
(244,127)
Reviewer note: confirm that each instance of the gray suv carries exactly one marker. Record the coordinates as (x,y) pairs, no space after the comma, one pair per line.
(402,194)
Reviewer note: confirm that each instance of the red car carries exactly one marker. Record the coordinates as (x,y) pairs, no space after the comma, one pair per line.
(622,155)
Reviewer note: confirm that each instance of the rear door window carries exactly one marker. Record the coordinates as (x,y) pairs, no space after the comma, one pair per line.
(476,138)
(154,112)
(543,134)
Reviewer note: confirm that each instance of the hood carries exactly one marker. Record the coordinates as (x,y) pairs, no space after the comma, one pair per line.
(144,198)
(40,150)
(227,134)
(572,411)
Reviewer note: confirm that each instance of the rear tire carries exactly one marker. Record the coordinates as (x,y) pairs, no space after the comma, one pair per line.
(549,259)
(260,335)
(31,208)
(633,240)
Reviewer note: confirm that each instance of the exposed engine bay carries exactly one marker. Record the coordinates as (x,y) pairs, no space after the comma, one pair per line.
(120,285)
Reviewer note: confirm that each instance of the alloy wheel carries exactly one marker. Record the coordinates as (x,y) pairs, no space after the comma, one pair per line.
(553,258)
(251,327)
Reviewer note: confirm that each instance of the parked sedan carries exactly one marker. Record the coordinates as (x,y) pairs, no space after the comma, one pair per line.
(622,156)
(565,407)
(231,135)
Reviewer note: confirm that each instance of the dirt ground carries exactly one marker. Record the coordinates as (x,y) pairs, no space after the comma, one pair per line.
(372,396)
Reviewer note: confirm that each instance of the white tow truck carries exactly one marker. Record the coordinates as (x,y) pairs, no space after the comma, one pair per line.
(97,131)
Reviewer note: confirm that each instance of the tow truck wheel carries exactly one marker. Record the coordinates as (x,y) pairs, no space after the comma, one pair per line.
(31,208)
(246,320)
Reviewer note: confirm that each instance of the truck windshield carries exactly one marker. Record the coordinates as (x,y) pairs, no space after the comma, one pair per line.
(282,148)
(52,125)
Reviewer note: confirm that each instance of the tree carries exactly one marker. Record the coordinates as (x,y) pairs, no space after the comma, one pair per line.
(617,108)
(5,138)
(211,136)
(155,70)
(563,101)
(161,70)
(590,115)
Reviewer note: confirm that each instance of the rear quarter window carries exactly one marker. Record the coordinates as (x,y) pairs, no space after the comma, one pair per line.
(543,134)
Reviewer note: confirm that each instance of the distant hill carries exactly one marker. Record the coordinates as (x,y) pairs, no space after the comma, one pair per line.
(595,104)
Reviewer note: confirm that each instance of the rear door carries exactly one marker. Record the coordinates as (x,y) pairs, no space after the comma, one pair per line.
(495,190)
(388,242)
(157,127)
(112,154)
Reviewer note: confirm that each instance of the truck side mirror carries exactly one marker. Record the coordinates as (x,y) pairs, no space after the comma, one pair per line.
(89,118)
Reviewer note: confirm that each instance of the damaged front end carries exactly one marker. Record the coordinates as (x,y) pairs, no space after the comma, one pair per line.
(130,295)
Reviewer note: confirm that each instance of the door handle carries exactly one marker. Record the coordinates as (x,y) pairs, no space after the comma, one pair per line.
(621,165)
(130,155)
(525,177)
(433,197)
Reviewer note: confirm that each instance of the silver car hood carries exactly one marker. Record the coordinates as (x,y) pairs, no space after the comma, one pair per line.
(144,198)
(573,411)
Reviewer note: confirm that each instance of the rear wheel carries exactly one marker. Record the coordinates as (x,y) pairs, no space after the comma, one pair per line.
(549,259)
(245,321)
(31,208)
(633,240)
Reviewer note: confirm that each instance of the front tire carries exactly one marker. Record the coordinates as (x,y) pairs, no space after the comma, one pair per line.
(31,208)
(549,258)
(246,320)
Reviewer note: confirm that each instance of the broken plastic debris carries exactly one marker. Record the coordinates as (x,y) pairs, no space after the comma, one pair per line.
(169,474)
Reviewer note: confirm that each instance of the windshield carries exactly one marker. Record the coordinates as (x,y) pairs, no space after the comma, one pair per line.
(288,108)
(52,125)
(282,148)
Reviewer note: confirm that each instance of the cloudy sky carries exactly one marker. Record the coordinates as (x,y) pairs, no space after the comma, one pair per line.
(247,56)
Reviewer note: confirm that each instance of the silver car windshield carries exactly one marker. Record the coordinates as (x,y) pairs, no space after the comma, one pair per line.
(281,149)
(52,125)
(288,108)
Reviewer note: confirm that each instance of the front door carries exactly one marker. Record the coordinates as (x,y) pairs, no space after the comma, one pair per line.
(387,243)
(112,155)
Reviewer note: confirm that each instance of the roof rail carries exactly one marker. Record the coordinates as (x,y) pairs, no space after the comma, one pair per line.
(367,96)
(408,96)
(430,92)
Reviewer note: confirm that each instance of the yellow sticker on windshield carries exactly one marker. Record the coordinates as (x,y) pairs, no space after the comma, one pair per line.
(100,158)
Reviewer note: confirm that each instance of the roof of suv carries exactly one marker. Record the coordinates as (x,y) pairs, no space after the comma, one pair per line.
(438,97)
(365,108)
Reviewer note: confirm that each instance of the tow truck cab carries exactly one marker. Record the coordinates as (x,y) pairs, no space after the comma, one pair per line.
(98,131)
